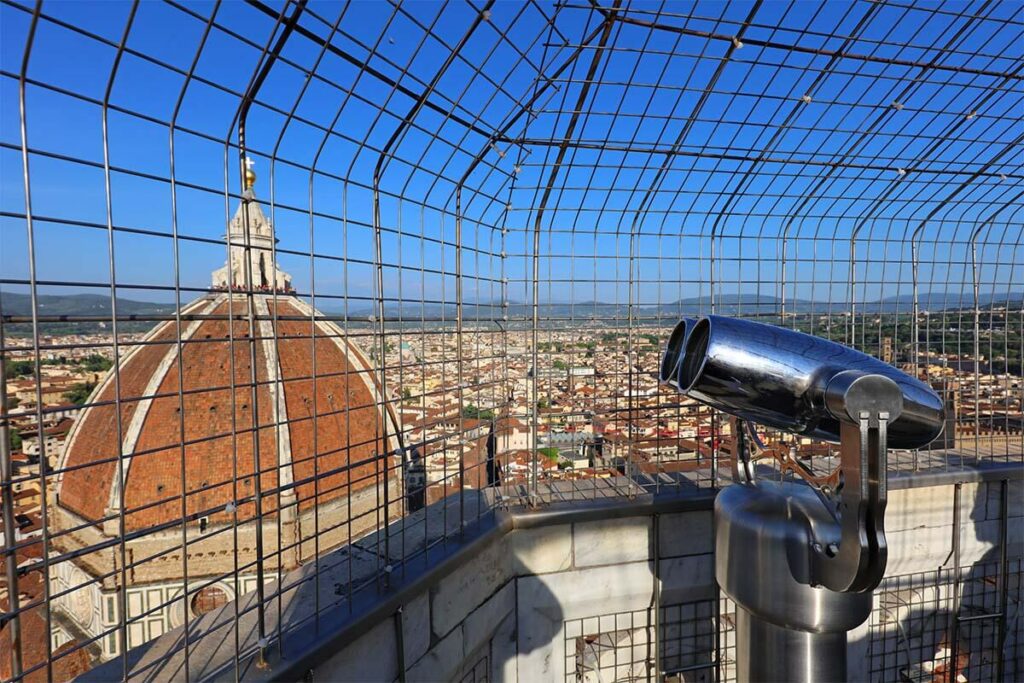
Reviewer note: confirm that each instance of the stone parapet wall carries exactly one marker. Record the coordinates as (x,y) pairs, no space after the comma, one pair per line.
(539,595)
(512,602)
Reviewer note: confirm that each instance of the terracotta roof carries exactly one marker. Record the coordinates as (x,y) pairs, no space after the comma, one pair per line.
(34,638)
(219,439)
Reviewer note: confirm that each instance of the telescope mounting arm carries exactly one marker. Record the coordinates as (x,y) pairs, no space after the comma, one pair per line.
(865,405)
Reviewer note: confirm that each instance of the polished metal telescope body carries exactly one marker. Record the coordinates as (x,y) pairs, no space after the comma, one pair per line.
(784,379)
(799,565)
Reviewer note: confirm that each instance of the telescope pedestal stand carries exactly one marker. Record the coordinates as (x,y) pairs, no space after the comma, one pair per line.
(801,570)
(785,630)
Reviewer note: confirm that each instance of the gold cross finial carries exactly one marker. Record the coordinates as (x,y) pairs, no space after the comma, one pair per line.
(250,175)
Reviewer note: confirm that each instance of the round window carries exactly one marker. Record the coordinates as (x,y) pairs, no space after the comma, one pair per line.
(208,599)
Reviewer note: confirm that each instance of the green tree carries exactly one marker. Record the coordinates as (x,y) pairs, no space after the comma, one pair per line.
(549,453)
(471,412)
(19,368)
(96,363)
(79,393)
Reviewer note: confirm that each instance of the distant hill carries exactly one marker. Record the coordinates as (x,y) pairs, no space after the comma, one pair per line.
(942,301)
(98,305)
(728,304)
(76,305)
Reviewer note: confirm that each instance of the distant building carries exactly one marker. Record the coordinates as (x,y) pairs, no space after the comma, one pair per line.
(888,355)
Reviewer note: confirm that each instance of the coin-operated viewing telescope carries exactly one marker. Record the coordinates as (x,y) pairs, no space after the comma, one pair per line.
(800,564)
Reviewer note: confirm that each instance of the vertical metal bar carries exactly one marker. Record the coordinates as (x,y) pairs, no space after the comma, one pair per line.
(348,387)
(401,457)
(382,161)
(257,469)
(631,473)
(1004,577)
(381,346)
(7,501)
(975,287)
(713,418)
(954,629)
(179,350)
(915,333)
(267,60)
(112,273)
(398,619)
(34,299)
(656,636)
(535,360)
(460,388)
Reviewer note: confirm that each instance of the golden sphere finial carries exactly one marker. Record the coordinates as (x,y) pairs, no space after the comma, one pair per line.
(250,175)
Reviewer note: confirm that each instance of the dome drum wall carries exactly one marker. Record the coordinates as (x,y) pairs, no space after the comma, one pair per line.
(156,557)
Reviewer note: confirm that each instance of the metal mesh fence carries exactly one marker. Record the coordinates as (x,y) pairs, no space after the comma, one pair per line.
(278,278)
(949,624)
(693,644)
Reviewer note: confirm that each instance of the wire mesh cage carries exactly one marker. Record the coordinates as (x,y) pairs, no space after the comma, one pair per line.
(285,277)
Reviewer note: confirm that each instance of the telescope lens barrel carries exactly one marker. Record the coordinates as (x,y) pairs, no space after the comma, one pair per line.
(693,360)
(669,372)
(779,378)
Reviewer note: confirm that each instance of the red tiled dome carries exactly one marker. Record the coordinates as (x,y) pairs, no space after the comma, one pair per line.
(323,458)
(302,460)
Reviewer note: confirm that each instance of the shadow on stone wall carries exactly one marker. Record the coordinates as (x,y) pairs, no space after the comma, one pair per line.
(928,627)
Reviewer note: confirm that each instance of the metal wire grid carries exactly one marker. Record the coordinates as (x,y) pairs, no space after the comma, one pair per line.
(692,648)
(911,637)
(921,616)
(727,211)
(616,647)
(694,644)
(468,179)
(956,620)
(479,672)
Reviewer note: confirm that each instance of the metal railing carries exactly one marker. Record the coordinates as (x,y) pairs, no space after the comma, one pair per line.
(473,226)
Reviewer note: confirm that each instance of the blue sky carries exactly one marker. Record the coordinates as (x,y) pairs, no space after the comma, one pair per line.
(750,158)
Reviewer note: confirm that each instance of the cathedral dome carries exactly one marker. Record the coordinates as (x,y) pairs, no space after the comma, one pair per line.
(192,422)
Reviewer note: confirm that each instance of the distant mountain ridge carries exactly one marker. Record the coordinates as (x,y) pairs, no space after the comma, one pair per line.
(727,304)
(16,304)
(74,305)
(78,304)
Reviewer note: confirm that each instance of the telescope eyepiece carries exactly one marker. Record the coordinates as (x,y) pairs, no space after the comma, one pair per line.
(672,359)
(695,354)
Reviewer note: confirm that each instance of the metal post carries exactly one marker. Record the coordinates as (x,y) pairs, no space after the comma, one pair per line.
(6,490)
(1004,577)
